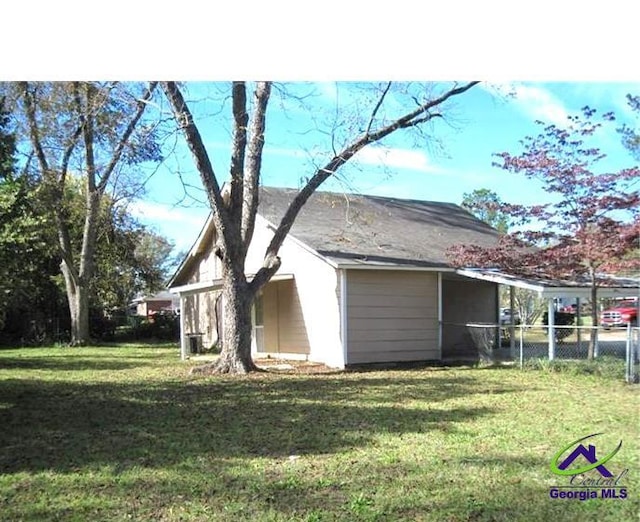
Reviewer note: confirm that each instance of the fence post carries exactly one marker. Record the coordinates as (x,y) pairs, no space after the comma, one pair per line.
(512,330)
(521,347)
(628,359)
(552,331)
(578,326)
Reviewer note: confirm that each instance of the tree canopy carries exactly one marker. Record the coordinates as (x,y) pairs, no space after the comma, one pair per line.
(631,135)
(130,259)
(591,226)
(486,205)
(93,131)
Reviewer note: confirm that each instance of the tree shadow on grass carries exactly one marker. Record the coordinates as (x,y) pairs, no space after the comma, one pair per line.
(96,358)
(71,364)
(65,426)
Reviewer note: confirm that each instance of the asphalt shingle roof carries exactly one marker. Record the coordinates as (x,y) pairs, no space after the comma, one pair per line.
(378,230)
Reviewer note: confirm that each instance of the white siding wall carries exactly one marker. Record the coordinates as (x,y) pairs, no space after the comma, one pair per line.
(317,290)
(392,316)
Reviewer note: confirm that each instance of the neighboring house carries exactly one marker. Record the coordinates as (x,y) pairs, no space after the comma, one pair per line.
(363,279)
(152,304)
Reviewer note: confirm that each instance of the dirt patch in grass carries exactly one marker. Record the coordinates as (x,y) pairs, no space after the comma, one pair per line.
(294,367)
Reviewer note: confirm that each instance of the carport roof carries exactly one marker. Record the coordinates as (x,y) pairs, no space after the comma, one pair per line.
(608,286)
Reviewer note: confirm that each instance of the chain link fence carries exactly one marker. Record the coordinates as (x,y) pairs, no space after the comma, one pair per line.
(618,348)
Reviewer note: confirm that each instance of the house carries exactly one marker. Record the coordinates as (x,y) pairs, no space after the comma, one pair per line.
(363,279)
(148,305)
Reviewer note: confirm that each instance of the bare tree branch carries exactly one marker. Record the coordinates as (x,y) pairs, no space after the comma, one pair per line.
(85,113)
(194,141)
(254,161)
(377,107)
(64,238)
(238,148)
(124,139)
(66,157)
(271,260)
(34,134)
(86,122)
(405,120)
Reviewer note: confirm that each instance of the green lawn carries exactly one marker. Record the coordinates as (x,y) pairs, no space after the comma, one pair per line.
(122,433)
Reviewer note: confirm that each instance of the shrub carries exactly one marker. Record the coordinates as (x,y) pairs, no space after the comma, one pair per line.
(162,327)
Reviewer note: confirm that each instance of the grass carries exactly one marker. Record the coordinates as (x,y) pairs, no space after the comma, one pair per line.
(605,366)
(122,433)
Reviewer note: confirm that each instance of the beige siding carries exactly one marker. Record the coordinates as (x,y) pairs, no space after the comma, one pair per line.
(209,267)
(392,316)
(284,327)
(291,327)
(200,317)
(271,334)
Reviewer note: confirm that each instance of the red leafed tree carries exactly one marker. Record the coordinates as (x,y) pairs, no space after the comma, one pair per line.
(592,229)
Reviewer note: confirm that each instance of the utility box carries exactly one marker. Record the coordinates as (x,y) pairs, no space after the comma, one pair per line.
(195,343)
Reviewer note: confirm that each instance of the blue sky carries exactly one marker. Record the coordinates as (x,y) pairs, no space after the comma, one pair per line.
(588,50)
(454,157)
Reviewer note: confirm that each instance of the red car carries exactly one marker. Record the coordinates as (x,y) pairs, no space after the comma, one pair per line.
(622,314)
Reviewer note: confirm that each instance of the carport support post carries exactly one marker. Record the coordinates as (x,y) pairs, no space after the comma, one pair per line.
(552,333)
(512,330)
(183,329)
(578,325)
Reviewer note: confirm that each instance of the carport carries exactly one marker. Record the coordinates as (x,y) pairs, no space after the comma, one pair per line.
(551,289)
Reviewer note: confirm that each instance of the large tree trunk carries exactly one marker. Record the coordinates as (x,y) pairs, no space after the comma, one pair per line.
(78,298)
(77,281)
(80,333)
(235,356)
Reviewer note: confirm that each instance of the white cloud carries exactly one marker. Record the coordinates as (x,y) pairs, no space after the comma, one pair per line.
(389,157)
(396,158)
(158,212)
(606,96)
(181,225)
(533,100)
(329,90)
(289,153)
